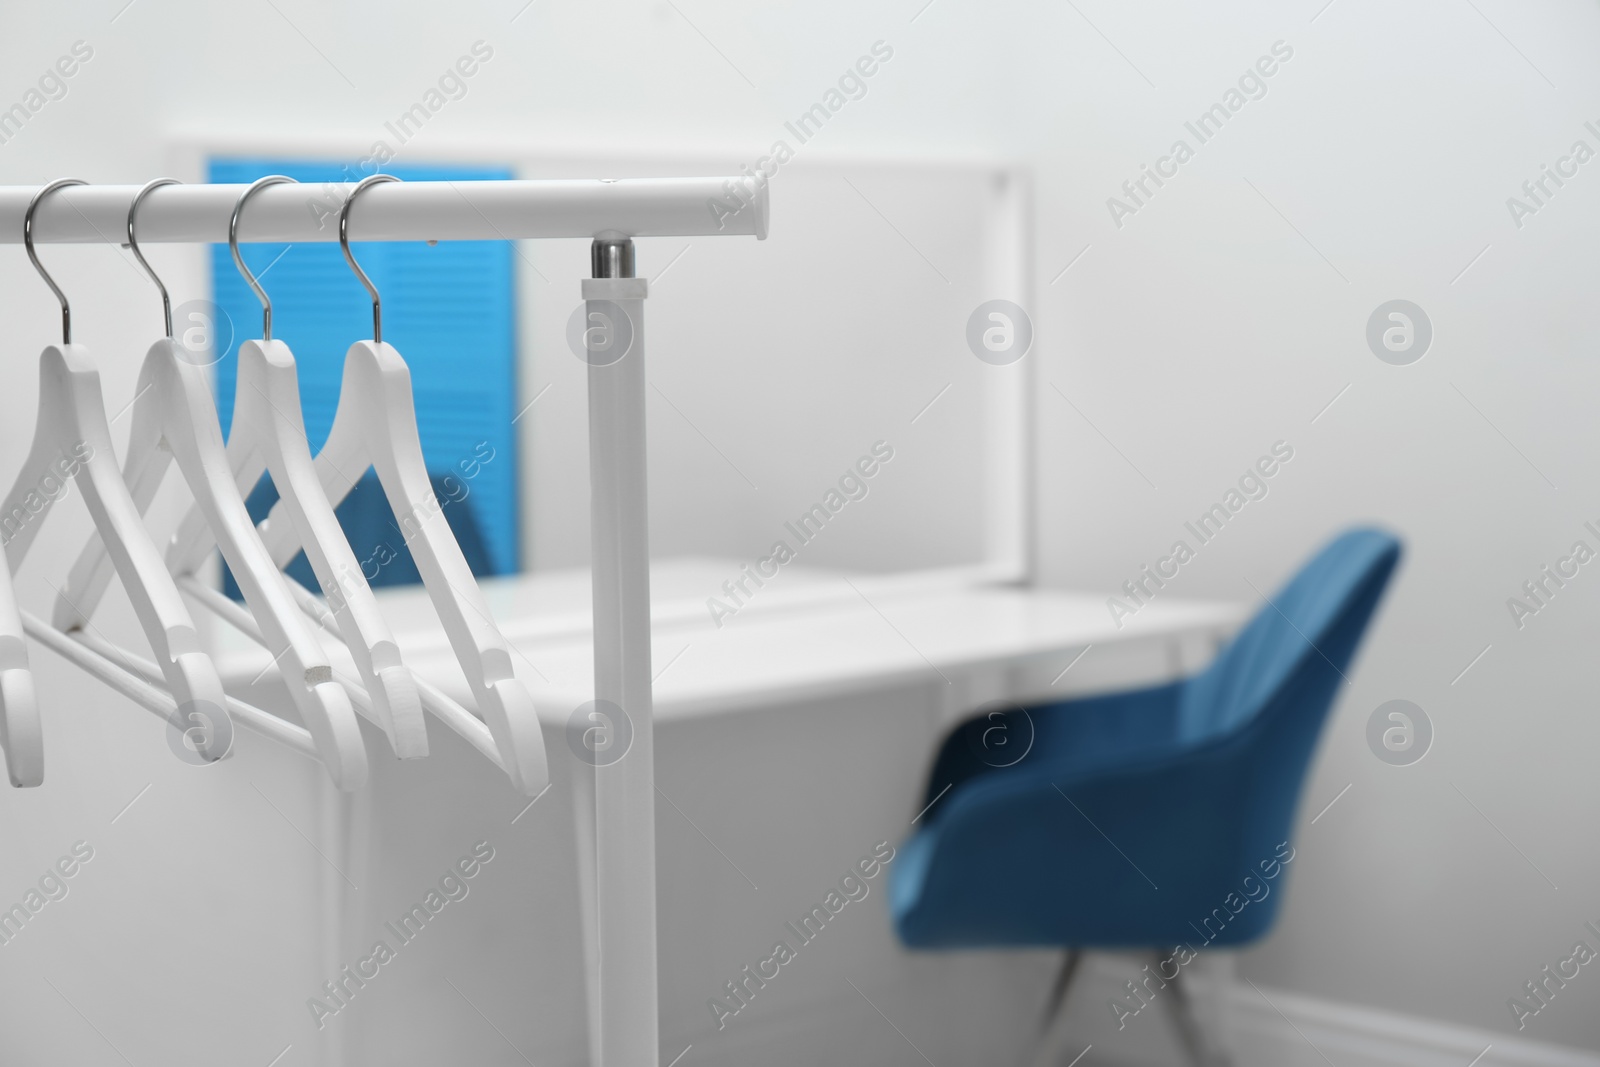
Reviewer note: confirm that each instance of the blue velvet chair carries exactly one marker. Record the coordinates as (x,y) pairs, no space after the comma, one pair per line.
(1135,819)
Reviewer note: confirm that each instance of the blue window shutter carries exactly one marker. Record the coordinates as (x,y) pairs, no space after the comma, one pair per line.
(449,309)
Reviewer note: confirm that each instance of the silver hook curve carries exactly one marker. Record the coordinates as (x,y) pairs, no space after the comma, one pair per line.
(344,243)
(133,246)
(27,242)
(238,260)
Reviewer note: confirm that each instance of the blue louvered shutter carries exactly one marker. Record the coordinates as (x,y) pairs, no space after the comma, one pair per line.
(448,308)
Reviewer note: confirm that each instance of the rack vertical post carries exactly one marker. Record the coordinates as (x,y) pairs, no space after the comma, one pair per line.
(619,781)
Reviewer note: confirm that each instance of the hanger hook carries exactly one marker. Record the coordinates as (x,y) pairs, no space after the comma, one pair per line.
(344,243)
(133,245)
(238,260)
(27,241)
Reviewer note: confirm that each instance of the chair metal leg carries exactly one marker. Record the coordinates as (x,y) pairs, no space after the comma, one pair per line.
(1186,1020)
(1056,1001)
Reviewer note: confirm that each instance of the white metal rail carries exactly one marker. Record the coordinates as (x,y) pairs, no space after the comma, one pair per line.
(397,211)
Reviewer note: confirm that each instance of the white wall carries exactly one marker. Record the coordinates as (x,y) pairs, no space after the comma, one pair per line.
(776,365)
(1221,318)
(1207,328)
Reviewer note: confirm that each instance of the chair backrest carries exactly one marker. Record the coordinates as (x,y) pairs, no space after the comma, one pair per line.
(1313,623)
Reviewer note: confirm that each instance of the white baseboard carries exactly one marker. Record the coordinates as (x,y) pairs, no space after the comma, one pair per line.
(1273,1028)
(1352,1035)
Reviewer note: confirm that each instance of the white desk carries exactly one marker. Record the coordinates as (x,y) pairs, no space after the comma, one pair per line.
(811,634)
(789,742)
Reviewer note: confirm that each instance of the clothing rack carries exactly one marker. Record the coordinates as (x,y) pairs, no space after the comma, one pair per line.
(617,801)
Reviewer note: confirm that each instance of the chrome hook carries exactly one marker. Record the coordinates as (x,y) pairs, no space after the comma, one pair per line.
(238,260)
(344,243)
(27,241)
(133,245)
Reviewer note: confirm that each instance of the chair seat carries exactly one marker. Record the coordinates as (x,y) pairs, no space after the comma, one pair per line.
(1126,852)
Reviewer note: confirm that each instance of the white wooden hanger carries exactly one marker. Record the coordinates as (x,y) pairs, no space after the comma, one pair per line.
(21,733)
(72,439)
(375,425)
(268,434)
(174,419)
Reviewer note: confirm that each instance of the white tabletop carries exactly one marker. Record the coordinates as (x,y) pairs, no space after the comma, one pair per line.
(810,635)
